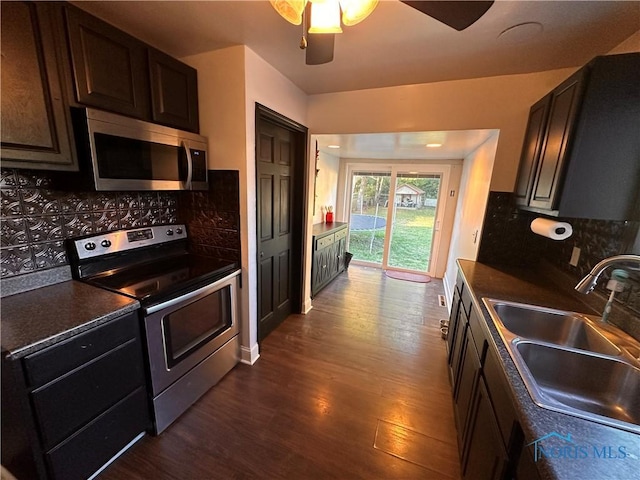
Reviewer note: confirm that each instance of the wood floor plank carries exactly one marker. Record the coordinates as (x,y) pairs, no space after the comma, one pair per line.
(416,448)
(365,366)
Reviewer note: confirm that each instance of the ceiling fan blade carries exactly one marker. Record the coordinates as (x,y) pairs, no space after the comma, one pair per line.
(320,48)
(456,14)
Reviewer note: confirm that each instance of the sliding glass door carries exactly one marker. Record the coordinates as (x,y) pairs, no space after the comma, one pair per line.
(368,218)
(413,221)
(395,215)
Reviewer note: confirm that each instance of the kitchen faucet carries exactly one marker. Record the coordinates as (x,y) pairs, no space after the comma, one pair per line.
(588,283)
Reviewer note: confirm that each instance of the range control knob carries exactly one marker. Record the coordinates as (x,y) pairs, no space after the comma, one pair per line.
(169,232)
(179,231)
(90,246)
(105,243)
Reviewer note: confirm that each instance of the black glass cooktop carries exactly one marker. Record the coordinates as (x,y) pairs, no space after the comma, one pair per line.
(163,279)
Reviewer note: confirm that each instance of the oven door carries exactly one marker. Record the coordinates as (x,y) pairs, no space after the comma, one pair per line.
(183,331)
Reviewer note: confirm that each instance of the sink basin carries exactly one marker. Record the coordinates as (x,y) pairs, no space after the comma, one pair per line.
(568,329)
(569,365)
(590,386)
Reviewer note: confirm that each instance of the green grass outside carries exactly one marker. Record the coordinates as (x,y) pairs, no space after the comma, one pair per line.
(410,244)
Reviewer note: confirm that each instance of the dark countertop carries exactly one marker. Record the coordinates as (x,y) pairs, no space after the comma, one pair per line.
(520,285)
(38,318)
(323,228)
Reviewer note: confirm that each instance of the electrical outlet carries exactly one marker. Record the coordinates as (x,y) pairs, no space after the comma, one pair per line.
(575,256)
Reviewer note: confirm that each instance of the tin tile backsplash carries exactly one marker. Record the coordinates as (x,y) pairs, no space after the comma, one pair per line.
(507,239)
(213,217)
(35,218)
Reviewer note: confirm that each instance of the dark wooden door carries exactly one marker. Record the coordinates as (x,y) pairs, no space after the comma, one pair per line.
(275,170)
(36,126)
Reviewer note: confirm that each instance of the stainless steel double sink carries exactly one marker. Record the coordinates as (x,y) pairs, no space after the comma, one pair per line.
(572,363)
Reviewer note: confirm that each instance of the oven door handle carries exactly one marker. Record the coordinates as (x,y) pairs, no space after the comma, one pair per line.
(207,289)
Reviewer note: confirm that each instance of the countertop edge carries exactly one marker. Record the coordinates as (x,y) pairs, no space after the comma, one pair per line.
(531,416)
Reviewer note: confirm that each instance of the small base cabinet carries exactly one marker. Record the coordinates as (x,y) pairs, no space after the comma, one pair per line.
(490,439)
(329,247)
(75,404)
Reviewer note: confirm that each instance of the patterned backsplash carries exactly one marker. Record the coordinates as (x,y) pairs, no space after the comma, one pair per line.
(36,219)
(507,239)
(213,217)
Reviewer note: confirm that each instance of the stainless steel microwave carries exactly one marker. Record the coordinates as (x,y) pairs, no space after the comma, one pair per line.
(119,153)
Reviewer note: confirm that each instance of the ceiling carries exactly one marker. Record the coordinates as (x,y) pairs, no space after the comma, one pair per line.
(395,45)
(456,144)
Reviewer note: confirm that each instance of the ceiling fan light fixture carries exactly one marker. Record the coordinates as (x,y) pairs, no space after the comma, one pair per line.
(354,11)
(325,16)
(290,10)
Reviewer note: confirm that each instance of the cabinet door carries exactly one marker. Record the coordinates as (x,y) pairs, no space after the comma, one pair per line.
(565,103)
(36,126)
(466,382)
(320,268)
(109,66)
(485,457)
(457,352)
(174,92)
(531,148)
(453,323)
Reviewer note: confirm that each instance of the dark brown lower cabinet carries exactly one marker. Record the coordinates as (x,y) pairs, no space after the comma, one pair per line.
(469,372)
(490,439)
(71,407)
(329,248)
(485,456)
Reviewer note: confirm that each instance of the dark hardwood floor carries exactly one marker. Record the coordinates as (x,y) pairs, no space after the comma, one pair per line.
(356,389)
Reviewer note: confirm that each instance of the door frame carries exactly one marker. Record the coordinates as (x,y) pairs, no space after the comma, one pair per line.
(444,169)
(298,208)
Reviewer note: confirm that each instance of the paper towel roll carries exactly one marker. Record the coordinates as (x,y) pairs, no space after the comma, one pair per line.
(551,228)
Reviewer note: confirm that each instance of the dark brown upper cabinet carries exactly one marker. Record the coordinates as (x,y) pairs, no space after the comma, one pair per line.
(109,66)
(565,102)
(533,138)
(174,92)
(588,163)
(36,125)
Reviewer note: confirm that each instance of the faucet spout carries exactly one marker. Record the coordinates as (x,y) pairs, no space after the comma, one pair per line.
(588,283)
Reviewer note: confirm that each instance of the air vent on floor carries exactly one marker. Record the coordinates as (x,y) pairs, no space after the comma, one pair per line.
(442,301)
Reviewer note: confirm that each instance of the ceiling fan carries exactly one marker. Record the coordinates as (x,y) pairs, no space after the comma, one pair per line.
(321,19)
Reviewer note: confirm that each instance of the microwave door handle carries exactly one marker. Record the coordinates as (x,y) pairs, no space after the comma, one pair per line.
(189,165)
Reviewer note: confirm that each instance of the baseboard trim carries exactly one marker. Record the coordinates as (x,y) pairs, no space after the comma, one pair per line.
(306,308)
(249,356)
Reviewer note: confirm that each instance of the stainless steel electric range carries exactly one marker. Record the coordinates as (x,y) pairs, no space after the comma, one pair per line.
(188,308)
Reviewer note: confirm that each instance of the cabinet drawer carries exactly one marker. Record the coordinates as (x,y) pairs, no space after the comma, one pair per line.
(94,445)
(54,361)
(324,242)
(71,401)
(341,234)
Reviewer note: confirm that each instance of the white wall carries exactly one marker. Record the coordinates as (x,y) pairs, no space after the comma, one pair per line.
(472,204)
(230,82)
(326,184)
(495,103)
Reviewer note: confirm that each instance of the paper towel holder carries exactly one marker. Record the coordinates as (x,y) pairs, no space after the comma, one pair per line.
(553,229)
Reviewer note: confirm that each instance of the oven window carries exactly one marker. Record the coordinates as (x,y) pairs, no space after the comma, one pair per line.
(187,328)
